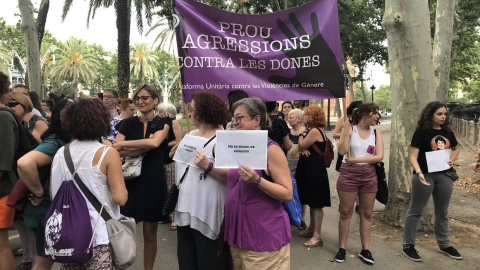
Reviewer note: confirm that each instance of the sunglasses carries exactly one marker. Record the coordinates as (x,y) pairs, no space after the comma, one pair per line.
(12,104)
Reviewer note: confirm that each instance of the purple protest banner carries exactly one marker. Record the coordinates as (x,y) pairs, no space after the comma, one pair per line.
(290,54)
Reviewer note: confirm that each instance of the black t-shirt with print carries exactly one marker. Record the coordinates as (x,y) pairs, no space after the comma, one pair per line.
(431,140)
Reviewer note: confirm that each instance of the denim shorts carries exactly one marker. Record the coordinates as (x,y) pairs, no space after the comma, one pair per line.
(360,178)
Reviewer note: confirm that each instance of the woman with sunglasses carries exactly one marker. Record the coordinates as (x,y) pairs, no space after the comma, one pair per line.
(257,227)
(142,135)
(22,106)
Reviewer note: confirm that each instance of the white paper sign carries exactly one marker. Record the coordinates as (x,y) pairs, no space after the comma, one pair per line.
(437,161)
(241,147)
(187,148)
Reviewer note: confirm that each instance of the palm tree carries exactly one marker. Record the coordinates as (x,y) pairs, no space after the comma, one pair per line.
(5,58)
(166,37)
(143,9)
(47,64)
(143,62)
(74,60)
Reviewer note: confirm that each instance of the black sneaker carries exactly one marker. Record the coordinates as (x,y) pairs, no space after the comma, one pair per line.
(451,252)
(410,252)
(366,256)
(340,257)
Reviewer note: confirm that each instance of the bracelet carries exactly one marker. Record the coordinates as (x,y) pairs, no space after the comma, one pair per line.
(38,197)
(205,173)
(418,172)
(258,181)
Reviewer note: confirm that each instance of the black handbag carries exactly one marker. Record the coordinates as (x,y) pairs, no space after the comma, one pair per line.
(172,197)
(451,173)
(382,193)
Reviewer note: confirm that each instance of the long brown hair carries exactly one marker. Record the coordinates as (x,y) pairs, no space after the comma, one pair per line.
(425,122)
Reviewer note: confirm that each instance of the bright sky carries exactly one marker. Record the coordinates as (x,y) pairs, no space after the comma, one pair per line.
(102,28)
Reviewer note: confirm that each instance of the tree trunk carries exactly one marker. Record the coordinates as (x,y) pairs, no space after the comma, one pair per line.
(75,85)
(407,25)
(442,46)
(349,78)
(362,87)
(31,40)
(338,109)
(42,20)
(123,9)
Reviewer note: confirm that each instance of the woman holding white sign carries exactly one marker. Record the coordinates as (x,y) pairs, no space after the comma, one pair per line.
(433,133)
(199,211)
(257,227)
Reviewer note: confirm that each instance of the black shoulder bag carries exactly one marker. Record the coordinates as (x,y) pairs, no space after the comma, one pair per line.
(382,193)
(172,195)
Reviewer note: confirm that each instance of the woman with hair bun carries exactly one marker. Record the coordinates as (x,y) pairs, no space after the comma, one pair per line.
(362,147)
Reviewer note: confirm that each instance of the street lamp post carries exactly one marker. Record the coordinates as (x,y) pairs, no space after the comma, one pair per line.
(372,88)
(166,86)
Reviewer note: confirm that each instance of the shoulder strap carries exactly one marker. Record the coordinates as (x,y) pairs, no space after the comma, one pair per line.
(375,132)
(93,200)
(211,139)
(315,147)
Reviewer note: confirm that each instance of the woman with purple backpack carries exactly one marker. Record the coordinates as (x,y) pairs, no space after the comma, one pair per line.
(99,168)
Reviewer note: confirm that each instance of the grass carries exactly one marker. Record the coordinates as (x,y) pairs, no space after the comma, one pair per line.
(183,122)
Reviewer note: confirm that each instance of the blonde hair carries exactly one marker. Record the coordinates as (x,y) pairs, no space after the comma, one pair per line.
(24,100)
(297,113)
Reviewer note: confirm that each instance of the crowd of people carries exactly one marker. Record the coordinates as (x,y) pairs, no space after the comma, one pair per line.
(224,218)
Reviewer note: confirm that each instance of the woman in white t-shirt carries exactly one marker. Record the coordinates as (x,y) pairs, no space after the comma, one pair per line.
(364,148)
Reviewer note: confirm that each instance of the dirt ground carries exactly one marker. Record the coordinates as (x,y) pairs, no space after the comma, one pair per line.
(463,211)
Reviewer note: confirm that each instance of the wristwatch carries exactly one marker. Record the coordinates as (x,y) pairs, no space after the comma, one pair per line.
(418,171)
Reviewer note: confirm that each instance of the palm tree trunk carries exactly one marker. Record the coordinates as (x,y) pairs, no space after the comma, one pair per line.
(122,8)
(75,85)
(42,20)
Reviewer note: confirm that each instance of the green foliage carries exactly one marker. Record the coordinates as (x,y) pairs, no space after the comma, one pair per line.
(361,32)
(143,62)
(12,38)
(75,60)
(383,97)
(5,58)
(473,89)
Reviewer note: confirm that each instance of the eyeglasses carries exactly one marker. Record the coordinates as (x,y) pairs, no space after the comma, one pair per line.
(108,97)
(144,98)
(238,118)
(12,104)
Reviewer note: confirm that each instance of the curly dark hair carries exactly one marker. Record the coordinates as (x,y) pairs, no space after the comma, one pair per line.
(86,119)
(425,122)
(363,111)
(210,109)
(316,116)
(4,84)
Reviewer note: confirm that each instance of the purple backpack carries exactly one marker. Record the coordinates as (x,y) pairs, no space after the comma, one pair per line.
(68,232)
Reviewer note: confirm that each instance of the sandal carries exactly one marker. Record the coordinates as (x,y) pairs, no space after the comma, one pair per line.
(306,234)
(303,226)
(18,252)
(173,226)
(313,242)
(24,266)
